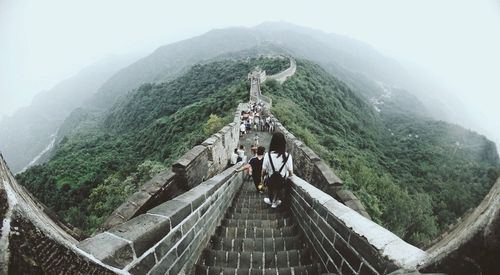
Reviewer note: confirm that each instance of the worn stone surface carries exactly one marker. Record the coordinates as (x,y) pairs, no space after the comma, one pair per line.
(109,249)
(176,211)
(34,252)
(150,194)
(143,231)
(35,243)
(143,266)
(4,205)
(195,197)
(343,224)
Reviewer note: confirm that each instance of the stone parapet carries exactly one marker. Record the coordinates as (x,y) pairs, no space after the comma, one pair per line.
(309,166)
(168,238)
(345,241)
(473,245)
(195,166)
(32,242)
(282,76)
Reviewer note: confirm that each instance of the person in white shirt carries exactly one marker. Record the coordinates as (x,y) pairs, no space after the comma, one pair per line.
(234,157)
(243,128)
(283,164)
(241,154)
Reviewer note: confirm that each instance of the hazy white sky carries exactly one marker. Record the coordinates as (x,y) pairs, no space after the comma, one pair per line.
(43,42)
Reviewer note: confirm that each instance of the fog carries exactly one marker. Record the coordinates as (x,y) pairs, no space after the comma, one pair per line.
(457,42)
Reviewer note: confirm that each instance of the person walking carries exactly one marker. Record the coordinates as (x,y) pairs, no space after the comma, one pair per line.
(254,167)
(277,166)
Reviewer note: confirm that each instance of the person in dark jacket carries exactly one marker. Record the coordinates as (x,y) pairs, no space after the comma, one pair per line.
(254,167)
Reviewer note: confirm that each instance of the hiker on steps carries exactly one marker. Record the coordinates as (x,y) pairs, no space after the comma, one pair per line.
(254,167)
(278,166)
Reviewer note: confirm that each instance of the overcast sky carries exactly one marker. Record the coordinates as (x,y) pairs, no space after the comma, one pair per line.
(44,42)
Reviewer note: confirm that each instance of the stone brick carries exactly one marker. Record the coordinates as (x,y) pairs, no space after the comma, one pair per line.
(188,223)
(113,220)
(368,252)
(192,168)
(180,263)
(175,210)
(164,264)
(143,231)
(347,253)
(367,270)
(109,249)
(338,226)
(346,269)
(185,242)
(321,210)
(144,265)
(331,267)
(157,182)
(346,195)
(327,230)
(168,243)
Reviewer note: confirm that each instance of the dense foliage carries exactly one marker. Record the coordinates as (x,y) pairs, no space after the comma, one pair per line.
(95,169)
(415,175)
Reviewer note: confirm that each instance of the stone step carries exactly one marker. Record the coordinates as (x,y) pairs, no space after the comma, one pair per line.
(276,223)
(312,269)
(256,259)
(253,205)
(235,232)
(250,209)
(258,199)
(271,215)
(250,195)
(257,244)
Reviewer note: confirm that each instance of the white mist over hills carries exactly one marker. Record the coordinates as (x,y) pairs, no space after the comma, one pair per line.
(455,42)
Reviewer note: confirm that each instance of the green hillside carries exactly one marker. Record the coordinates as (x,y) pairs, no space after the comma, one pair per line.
(414,175)
(95,168)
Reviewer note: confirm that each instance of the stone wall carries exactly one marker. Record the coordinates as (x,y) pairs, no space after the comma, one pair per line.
(473,246)
(33,242)
(282,76)
(170,237)
(345,241)
(309,166)
(198,164)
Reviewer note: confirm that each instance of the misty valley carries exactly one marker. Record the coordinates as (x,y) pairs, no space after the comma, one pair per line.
(84,147)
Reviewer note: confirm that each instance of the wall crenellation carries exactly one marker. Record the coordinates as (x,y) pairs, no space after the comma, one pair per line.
(170,236)
(198,164)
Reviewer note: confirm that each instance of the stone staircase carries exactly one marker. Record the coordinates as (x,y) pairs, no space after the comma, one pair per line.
(256,239)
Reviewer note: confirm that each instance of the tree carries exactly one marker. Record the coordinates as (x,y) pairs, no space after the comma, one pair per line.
(214,124)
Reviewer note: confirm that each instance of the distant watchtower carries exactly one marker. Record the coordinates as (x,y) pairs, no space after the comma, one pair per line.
(258,74)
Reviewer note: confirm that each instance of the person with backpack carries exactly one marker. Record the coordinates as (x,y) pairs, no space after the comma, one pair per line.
(278,166)
(254,167)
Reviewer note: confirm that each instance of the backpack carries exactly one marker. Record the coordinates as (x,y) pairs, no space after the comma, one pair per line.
(276,179)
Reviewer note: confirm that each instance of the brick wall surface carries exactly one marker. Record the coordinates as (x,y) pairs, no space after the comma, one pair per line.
(345,241)
(195,166)
(309,166)
(171,236)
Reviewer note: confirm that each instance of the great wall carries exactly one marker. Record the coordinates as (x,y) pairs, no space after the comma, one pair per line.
(196,219)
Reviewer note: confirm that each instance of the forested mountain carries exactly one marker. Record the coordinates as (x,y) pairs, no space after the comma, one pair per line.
(94,169)
(169,61)
(26,133)
(414,174)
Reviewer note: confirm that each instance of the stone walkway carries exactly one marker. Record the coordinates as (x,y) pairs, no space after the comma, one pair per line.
(248,139)
(256,239)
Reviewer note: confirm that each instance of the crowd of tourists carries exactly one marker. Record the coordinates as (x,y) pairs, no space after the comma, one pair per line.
(269,170)
(253,119)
